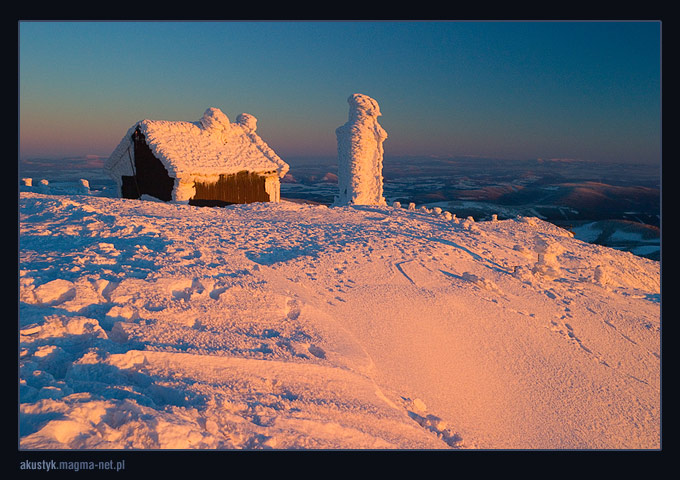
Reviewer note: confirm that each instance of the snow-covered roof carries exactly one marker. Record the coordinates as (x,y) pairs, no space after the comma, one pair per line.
(211,146)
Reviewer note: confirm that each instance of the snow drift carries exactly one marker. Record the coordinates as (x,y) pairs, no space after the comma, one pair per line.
(148,325)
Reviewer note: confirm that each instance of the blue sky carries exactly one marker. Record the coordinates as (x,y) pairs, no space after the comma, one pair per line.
(586,90)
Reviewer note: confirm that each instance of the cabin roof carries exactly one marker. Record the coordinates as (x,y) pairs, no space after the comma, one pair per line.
(211,146)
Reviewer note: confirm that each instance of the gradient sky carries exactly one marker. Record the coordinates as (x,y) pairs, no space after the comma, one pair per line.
(585,90)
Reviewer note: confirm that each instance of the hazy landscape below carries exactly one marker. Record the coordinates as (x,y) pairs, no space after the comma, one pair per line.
(610,204)
(616,205)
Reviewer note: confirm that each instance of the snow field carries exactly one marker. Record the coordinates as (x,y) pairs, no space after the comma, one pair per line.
(154,325)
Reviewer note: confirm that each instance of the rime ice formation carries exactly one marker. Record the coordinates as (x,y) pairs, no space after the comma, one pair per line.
(360,154)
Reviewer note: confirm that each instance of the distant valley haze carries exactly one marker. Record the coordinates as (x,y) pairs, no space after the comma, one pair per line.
(592,199)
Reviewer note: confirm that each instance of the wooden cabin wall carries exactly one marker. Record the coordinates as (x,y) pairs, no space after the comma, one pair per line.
(243,187)
(129,188)
(151,175)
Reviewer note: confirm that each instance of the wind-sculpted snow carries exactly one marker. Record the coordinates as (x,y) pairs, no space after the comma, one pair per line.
(149,325)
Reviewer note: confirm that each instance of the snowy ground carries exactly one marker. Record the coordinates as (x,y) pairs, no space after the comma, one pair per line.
(146,325)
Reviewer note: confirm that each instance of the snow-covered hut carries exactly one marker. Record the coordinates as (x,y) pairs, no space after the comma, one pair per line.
(208,162)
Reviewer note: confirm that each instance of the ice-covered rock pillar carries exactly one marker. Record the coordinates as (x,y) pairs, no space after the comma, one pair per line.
(360,154)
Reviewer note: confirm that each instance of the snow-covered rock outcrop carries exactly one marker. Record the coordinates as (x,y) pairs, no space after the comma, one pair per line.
(360,154)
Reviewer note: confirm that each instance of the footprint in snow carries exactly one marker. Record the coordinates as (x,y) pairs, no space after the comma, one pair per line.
(317,351)
(293,309)
(417,410)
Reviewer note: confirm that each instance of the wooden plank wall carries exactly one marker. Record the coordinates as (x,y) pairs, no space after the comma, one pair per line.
(242,187)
